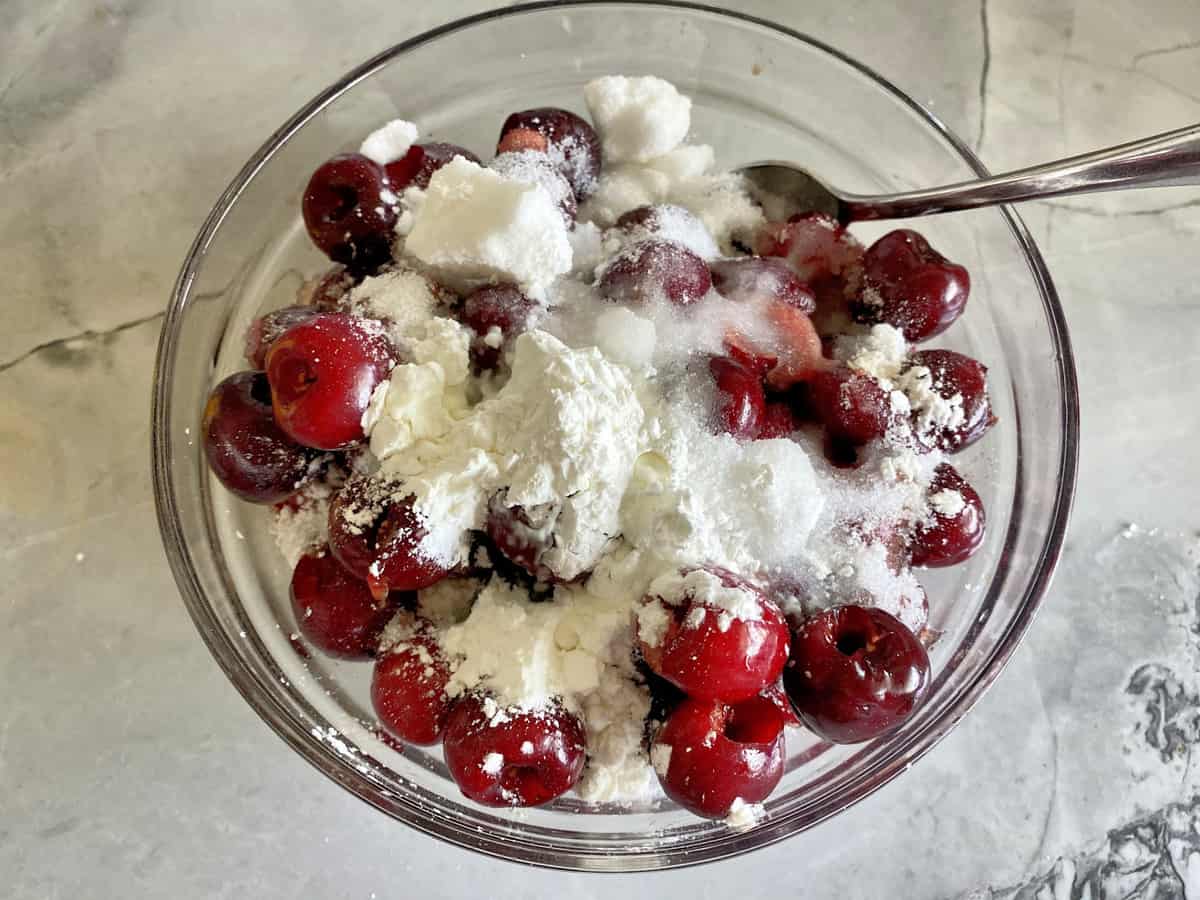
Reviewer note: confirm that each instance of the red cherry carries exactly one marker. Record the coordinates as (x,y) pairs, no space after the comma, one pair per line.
(656,269)
(855,673)
(246,448)
(751,279)
(741,402)
(746,353)
(499,306)
(716,753)
(511,756)
(668,222)
(570,141)
(779,699)
(345,213)
(908,284)
(955,375)
(264,330)
(322,374)
(378,537)
(852,406)
(800,349)
(438,154)
(408,689)
(956,524)
(822,253)
(778,420)
(334,610)
(417,166)
(706,648)
(518,538)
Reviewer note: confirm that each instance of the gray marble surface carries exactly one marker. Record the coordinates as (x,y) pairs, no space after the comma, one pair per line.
(129,766)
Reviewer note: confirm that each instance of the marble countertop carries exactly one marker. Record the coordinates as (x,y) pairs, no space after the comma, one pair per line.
(130,767)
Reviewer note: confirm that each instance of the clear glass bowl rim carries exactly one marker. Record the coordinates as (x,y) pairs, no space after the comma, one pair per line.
(333,766)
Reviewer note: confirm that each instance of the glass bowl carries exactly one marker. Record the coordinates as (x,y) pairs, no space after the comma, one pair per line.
(759,91)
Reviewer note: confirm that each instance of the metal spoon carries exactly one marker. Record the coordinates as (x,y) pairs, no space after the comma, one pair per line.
(1170,159)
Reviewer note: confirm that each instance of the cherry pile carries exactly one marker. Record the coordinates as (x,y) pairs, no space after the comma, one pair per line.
(725,682)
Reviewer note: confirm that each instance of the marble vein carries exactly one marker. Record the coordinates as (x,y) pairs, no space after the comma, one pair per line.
(81,336)
(1163,51)
(985,67)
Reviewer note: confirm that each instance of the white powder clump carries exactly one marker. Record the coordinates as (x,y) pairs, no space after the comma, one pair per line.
(933,412)
(493,763)
(706,591)
(660,758)
(390,142)
(421,400)
(743,815)
(625,337)
(476,226)
(881,353)
(302,524)
(637,118)
(587,249)
(698,496)
(947,503)
(529,654)
(561,438)
(447,602)
(402,298)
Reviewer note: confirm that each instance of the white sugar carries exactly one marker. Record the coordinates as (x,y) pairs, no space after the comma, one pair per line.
(637,118)
(476,226)
(389,143)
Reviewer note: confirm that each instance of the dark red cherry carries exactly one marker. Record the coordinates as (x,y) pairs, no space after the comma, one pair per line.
(245,447)
(708,649)
(954,375)
(334,610)
(322,375)
(265,329)
(328,291)
(779,420)
(408,689)
(569,140)
(956,523)
(345,213)
(656,270)
(513,756)
(854,673)
(852,406)
(501,307)
(375,532)
(417,166)
(518,538)
(710,754)
(823,254)
(909,285)
(668,222)
(751,279)
(740,399)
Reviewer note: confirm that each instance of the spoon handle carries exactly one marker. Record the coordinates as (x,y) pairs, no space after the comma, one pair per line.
(1170,159)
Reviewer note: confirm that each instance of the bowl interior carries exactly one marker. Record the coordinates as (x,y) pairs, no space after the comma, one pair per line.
(758,92)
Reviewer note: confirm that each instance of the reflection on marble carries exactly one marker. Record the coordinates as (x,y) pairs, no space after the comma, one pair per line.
(128,765)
